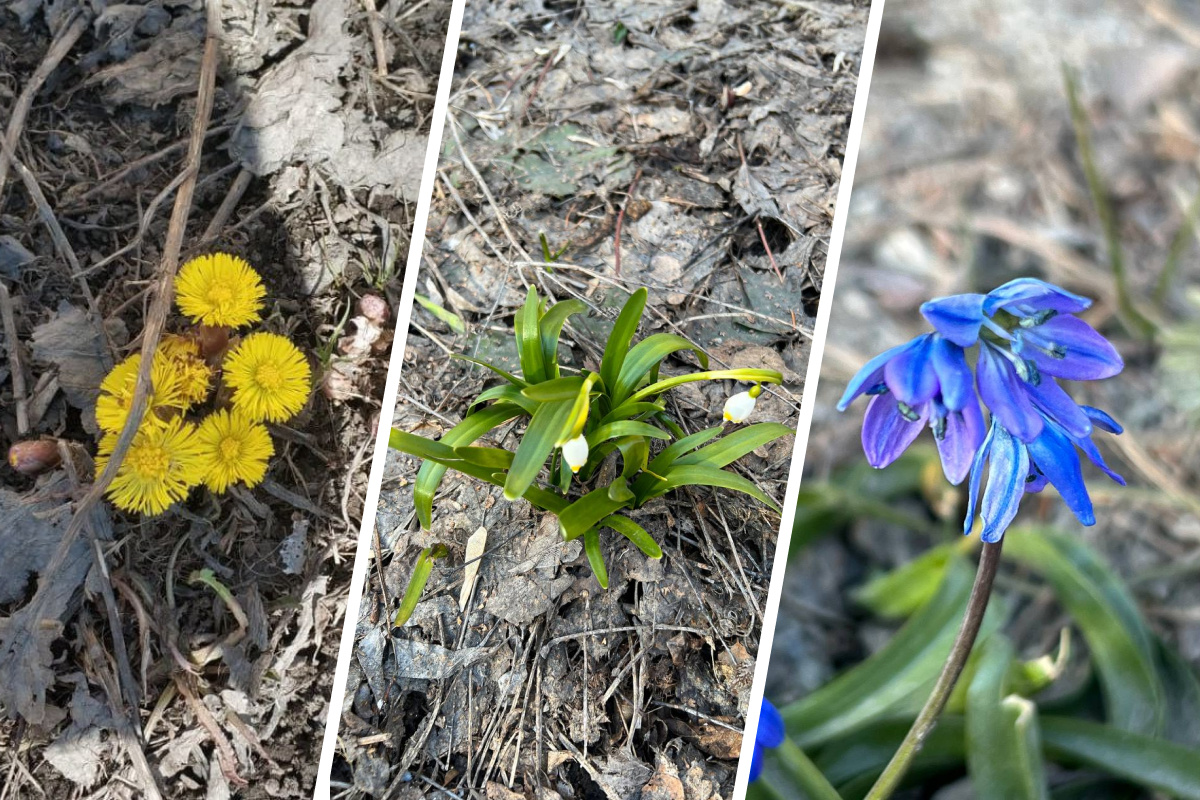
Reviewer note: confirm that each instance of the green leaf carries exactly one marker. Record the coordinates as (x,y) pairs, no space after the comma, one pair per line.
(1107,615)
(554,390)
(644,356)
(663,461)
(635,451)
(698,475)
(591,546)
(618,490)
(551,329)
(635,533)
(416,583)
(904,667)
(803,773)
(615,430)
(1181,686)
(1003,746)
(585,512)
(529,342)
(494,458)
(579,409)
(429,476)
(630,410)
(504,393)
(853,762)
(745,375)
(454,321)
(620,337)
(508,376)
(546,427)
(737,444)
(1157,764)
(901,592)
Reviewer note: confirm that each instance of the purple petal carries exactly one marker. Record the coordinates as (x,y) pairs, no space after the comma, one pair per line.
(1005,394)
(770,726)
(1008,469)
(1056,458)
(956,317)
(910,376)
(1030,293)
(1067,347)
(1058,406)
(1102,420)
(871,375)
(963,434)
(977,476)
(953,374)
(886,433)
(1093,453)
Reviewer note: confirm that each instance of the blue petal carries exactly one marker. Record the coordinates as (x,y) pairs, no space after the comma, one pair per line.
(957,447)
(1102,420)
(871,375)
(886,433)
(1093,453)
(1055,457)
(1008,469)
(1067,347)
(1005,394)
(910,376)
(953,374)
(1035,482)
(981,456)
(1033,294)
(770,726)
(756,763)
(1058,406)
(956,317)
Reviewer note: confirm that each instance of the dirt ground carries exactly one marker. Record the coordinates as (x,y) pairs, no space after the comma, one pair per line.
(310,171)
(710,136)
(969,176)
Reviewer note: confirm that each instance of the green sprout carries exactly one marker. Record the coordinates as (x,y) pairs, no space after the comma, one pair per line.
(581,424)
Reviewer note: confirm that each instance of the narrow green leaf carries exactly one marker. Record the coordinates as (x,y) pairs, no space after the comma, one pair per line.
(508,376)
(663,461)
(529,342)
(853,762)
(554,390)
(491,457)
(1107,615)
(1004,755)
(416,583)
(585,512)
(620,337)
(591,546)
(551,329)
(745,375)
(546,427)
(618,490)
(1157,764)
(614,430)
(635,533)
(630,410)
(904,590)
(737,444)
(635,451)
(804,773)
(644,356)
(1182,687)
(454,321)
(505,393)
(699,475)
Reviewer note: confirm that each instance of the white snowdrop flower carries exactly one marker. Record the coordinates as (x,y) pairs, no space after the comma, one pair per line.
(575,452)
(740,406)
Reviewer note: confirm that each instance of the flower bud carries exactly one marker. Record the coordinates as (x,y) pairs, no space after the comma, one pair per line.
(34,457)
(739,407)
(575,452)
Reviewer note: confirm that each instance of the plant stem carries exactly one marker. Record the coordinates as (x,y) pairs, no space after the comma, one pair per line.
(889,780)
(804,773)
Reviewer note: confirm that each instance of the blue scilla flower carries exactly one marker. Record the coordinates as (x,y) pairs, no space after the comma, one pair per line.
(770,734)
(1016,468)
(926,381)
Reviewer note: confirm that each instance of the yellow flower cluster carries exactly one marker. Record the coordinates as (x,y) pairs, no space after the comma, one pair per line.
(183,440)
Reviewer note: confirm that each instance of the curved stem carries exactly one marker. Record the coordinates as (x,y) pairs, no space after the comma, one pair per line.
(889,780)
(804,773)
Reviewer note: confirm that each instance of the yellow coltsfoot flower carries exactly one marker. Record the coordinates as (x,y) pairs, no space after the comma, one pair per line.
(234,448)
(575,452)
(163,463)
(219,289)
(117,389)
(192,372)
(269,377)
(740,406)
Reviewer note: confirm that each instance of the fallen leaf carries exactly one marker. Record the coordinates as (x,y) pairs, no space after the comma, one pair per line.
(476,544)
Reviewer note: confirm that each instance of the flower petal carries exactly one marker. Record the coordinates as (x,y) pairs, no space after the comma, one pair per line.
(1005,394)
(1033,294)
(953,374)
(756,763)
(964,432)
(1035,482)
(1102,420)
(870,376)
(956,317)
(1055,456)
(1093,453)
(1008,469)
(1058,406)
(981,456)
(910,375)
(770,726)
(1067,347)
(886,433)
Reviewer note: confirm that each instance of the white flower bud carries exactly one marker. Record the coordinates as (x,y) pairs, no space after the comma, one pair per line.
(739,407)
(575,452)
